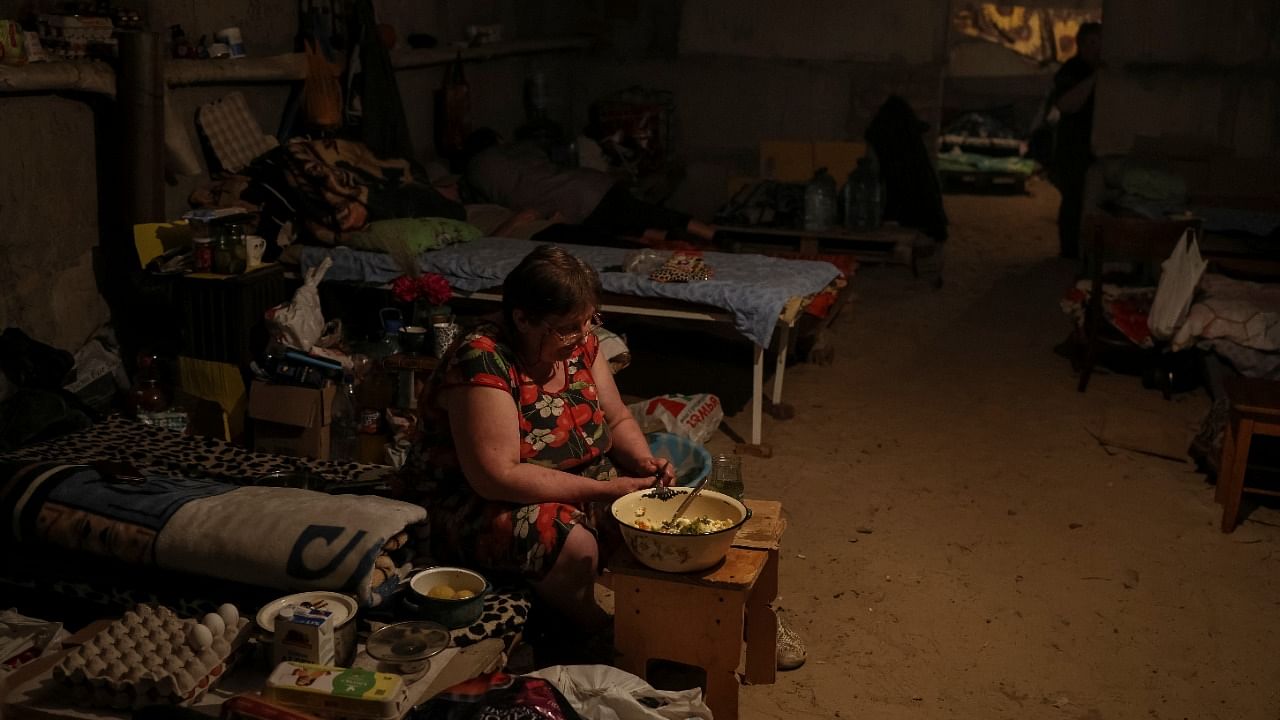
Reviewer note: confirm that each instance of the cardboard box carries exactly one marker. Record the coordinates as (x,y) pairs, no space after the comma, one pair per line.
(291,420)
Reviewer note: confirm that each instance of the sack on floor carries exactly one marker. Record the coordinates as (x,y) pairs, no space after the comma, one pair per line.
(601,691)
(693,416)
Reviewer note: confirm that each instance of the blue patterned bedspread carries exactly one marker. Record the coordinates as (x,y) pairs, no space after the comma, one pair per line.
(752,288)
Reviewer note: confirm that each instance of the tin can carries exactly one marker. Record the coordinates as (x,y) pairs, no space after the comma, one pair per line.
(369,421)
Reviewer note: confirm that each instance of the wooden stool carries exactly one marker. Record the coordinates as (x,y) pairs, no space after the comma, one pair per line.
(1254,409)
(699,618)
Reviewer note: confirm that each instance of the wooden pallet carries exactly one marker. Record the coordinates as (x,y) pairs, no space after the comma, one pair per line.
(889,244)
(983,183)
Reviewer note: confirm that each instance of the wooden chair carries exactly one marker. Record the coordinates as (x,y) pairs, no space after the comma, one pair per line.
(1108,239)
(1254,409)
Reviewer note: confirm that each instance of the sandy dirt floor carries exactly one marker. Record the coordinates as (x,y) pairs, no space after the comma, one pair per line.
(1013,568)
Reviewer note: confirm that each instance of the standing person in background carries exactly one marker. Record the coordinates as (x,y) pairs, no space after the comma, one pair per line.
(1072,98)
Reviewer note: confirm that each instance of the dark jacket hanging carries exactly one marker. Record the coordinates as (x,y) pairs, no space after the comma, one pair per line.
(383,126)
(913,196)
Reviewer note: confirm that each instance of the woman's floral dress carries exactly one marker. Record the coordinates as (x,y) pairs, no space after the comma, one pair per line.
(565,430)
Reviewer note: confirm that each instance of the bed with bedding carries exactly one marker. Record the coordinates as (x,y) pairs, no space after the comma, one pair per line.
(755,294)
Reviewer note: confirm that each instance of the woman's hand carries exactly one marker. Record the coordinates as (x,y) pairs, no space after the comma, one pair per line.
(663,470)
(624,484)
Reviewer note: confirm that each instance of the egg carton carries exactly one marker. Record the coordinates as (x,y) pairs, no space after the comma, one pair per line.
(151,656)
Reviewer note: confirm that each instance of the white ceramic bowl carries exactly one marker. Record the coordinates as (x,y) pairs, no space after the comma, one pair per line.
(678,553)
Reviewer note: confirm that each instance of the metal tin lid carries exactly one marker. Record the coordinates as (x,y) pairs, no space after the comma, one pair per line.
(408,641)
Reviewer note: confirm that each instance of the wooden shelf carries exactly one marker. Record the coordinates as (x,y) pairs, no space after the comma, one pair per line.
(289,67)
(292,67)
(98,77)
(93,76)
(407,59)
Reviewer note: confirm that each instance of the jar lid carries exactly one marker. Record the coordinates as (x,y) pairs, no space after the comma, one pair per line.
(408,641)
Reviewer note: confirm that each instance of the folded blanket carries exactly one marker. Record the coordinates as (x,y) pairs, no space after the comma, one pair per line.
(281,538)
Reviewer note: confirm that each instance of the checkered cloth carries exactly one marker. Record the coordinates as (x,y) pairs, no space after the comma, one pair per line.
(233,133)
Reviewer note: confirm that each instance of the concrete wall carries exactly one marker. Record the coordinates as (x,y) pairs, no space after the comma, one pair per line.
(766,69)
(48,220)
(1210,71)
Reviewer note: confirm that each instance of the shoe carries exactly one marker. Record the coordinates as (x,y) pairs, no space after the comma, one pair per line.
(791,650)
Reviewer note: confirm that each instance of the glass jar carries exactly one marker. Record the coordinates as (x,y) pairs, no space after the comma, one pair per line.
(726,476)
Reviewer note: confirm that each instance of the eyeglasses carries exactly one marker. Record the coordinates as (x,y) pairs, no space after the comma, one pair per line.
(573,338)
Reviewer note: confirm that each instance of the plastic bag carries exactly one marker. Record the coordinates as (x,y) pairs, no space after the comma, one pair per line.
(1179,276)
(299,323)
(602,692)
(692,416)
(498,695)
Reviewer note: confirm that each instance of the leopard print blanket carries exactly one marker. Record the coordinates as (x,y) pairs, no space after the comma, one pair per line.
(157,451)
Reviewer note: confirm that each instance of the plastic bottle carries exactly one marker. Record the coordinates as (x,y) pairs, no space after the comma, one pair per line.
(867,197)
(820,202)
(344,426)
(726,476)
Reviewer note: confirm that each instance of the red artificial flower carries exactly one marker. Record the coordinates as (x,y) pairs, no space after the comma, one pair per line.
(434,288)
(404,288)
(431,287)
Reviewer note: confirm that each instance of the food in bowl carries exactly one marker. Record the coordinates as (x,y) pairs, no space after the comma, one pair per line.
(464,604)
(642,514)
(700,525)
(444,592)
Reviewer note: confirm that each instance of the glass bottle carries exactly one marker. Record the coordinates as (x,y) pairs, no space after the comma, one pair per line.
(726,476)
(344,425)
(820,202)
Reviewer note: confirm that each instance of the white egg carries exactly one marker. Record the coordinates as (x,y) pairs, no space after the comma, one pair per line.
(214,622)
(230,615)
(199,637)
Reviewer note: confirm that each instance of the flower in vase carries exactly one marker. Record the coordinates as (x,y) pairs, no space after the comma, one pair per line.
(431,288)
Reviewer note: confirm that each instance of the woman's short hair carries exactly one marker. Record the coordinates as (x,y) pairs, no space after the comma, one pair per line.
(549,282)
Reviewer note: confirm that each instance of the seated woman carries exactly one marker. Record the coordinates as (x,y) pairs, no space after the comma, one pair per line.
(526,440)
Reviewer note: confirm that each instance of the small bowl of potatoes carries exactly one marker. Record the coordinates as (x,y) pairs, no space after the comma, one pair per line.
(451,596)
